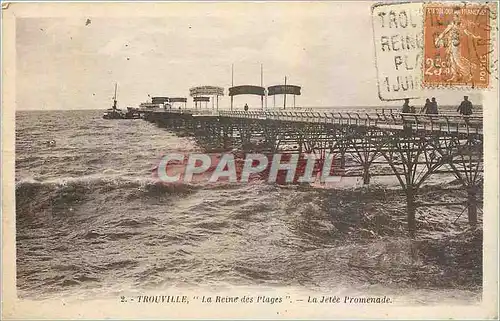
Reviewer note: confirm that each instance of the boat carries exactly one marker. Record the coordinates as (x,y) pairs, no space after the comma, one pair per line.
(114,112)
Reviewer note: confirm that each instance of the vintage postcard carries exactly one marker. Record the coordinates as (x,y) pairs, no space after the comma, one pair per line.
(277,160)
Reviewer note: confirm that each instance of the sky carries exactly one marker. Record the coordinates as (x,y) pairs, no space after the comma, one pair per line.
(63,62)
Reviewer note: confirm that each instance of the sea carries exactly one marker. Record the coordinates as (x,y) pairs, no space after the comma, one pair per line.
(93,221)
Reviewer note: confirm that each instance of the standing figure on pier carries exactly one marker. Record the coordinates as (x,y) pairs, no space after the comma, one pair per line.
(434,106)
(465,107)
(406,106)
(427,107)
(246,107)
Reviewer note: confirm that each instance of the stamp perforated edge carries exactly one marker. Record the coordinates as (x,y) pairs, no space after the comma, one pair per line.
(493,52)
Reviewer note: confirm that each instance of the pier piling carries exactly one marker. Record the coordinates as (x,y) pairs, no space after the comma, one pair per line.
(413,148)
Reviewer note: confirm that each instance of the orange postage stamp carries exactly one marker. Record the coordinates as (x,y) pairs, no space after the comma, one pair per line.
(457,45)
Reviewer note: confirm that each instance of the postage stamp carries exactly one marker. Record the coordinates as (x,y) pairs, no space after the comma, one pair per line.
(457,45)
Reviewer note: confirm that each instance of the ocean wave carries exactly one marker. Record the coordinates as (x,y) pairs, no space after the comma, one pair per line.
(95,181)
(34,196)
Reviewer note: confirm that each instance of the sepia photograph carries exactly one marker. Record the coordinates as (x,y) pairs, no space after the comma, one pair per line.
(286,156)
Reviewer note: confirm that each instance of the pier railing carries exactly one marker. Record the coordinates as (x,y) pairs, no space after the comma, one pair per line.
(449,123)
(446,122)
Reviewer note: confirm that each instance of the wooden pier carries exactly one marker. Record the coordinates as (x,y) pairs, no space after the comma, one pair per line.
(410,146)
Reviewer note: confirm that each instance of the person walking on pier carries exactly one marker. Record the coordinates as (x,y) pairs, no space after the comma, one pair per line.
(427,107)
(406,106)
(434,106)
(465,107)
(246,107)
